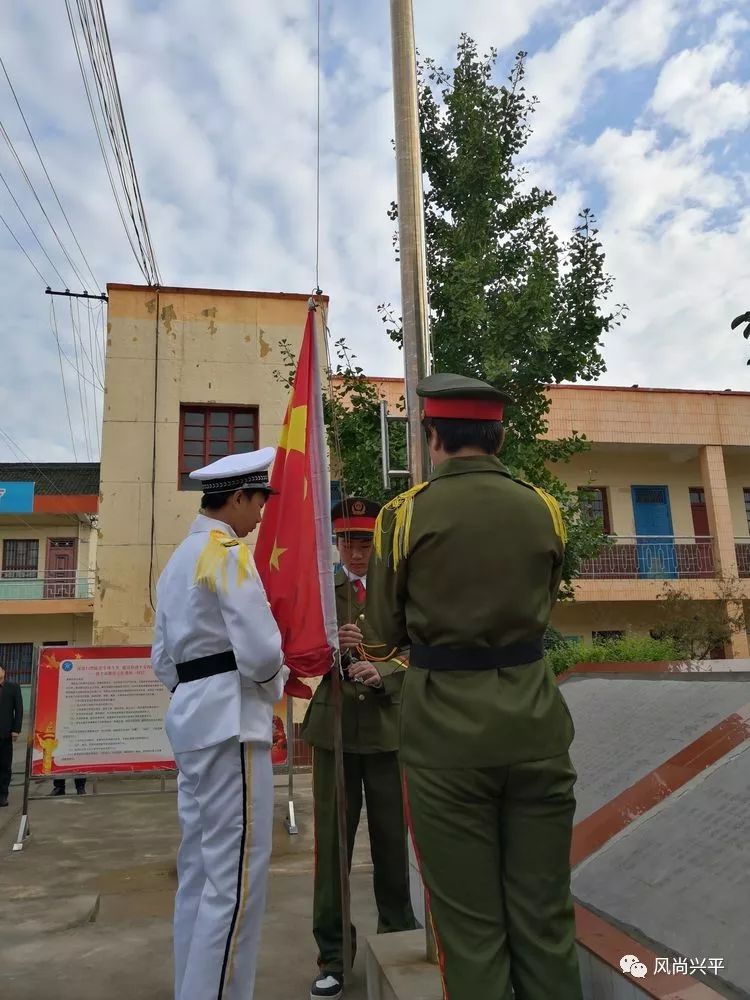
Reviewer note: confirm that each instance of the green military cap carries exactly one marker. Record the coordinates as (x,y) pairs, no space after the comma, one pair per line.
(457,397)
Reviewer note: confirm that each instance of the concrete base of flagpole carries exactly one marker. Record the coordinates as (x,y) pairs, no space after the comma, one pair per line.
(397,968)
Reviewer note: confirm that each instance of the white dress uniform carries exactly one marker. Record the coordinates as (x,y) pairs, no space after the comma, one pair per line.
(218,648)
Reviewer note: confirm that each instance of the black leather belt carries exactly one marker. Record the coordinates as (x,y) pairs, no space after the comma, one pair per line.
(206,666)
(476,657)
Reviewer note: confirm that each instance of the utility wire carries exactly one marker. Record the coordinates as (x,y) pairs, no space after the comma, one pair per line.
(95,34)
(81,394)
(97,127)
(23,250)
(94,375)
(31,228)
(317,171)
(30,183)
(68,360)
(46,174)
(62,379)
(15,446)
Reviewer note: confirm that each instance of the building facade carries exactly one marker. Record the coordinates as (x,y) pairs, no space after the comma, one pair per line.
(48,535)
(189,378)
(668,475)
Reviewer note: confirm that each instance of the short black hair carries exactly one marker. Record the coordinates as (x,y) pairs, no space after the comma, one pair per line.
(215,501)
(457,434)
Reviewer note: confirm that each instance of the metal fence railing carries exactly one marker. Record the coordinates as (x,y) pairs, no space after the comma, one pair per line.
(742,549)
(652,557)
(54,586)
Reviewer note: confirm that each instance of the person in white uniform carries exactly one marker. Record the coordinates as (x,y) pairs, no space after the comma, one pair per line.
(218,649)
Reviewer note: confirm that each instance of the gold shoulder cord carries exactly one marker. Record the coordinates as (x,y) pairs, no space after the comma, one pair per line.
(554,508)
(212,562)
(402,506)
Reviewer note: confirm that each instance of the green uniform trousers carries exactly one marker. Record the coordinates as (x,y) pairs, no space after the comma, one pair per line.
(494,849)
(378,774)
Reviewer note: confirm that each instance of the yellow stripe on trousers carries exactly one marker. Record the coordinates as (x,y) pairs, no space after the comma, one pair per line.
(247,750)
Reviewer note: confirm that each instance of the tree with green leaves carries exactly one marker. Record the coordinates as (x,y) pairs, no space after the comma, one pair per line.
(698,626)
(510,302)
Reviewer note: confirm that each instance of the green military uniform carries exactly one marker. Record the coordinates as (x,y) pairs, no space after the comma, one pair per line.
(465,570)
(370,743)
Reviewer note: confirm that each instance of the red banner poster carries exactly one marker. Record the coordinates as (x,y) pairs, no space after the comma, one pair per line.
(99,710)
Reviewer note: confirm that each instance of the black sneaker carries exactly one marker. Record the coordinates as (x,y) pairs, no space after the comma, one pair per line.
(3,802)
(57,791)
(327,986)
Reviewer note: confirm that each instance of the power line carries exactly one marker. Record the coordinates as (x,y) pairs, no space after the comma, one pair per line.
(93,28)
(31,228)
(62,379)
(15,446)
(46,174)
(94,373)
(23,250)
(97,128)
(84,414)
(68,360)
(30,183)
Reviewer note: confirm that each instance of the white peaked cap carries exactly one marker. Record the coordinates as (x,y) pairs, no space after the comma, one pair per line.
(237,472)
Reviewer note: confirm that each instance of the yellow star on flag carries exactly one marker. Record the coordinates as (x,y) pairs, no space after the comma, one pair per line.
(276,555)
(294,431)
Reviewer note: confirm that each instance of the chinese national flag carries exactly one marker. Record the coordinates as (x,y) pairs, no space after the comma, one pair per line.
(293,552)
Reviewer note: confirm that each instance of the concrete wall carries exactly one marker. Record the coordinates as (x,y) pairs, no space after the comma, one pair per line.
(73,629)
(214,348)
(737,467)
(622,469)
(44,528)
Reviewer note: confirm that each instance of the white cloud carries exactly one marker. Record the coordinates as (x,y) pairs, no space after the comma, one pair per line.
(681,273)
(220,102)
(620,35)
(689,99)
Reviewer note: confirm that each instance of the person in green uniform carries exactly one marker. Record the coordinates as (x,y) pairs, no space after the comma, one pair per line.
(465,570)
(371,690)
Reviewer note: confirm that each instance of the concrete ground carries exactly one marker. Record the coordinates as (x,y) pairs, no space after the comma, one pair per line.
(87,905)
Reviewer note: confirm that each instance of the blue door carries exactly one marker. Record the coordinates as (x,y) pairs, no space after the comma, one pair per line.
(657,559)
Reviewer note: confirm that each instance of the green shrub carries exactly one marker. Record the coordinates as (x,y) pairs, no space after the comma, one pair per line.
(630,649)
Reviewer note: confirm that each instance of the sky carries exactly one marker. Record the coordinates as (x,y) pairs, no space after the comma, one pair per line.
(643,116)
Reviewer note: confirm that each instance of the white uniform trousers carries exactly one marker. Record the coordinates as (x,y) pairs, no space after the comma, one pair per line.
(225,805)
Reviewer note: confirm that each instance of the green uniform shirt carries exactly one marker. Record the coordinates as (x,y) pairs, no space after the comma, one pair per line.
(481,566)
(369,717)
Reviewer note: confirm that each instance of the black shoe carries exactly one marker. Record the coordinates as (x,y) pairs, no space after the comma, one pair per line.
(3,802)
(327,986)
(80,791)
(57,791)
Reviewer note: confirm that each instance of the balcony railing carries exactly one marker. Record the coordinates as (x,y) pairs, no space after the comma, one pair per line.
(652,557)
(742,548)
(58,586)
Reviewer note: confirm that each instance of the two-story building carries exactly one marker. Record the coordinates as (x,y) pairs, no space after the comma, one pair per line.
(189,379)
(48,550)
(668,474)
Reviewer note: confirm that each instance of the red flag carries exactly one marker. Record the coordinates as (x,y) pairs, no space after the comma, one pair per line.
(293,552)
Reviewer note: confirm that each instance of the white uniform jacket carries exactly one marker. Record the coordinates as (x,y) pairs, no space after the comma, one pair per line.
(209,600)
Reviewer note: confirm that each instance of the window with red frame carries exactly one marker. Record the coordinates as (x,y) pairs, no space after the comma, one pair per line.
(594,502)
(208,433)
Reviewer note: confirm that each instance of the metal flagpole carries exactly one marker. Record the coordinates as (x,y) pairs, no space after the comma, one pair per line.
(414,301)
(413,257)
(24,829)
(338,750)
(290,822)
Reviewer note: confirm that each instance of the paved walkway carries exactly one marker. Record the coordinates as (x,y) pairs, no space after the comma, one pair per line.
(87,905)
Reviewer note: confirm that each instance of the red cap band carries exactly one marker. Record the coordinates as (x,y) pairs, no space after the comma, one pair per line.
(342,525)
(464,409)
